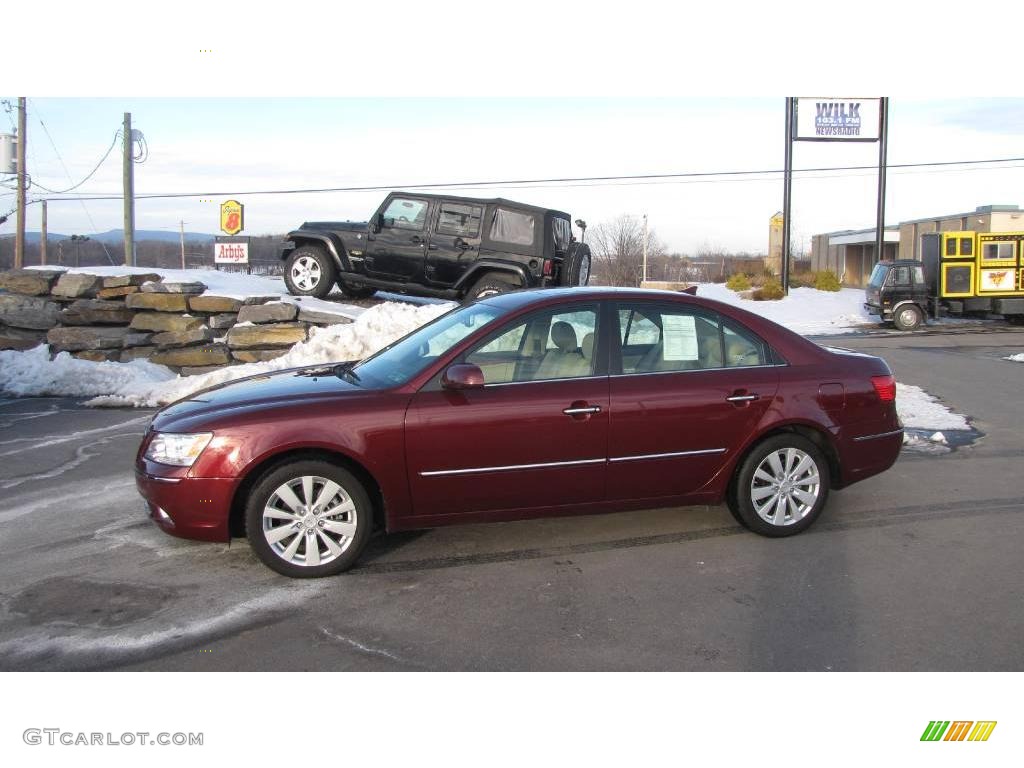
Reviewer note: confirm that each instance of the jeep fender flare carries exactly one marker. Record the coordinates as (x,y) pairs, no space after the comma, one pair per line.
(480,267)
(336,250)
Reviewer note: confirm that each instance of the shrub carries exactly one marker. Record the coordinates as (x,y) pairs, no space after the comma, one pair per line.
(770,291)
(826,281)
(738,282)
(802,279)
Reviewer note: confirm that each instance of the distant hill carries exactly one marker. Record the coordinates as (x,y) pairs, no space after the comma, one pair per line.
(116,236)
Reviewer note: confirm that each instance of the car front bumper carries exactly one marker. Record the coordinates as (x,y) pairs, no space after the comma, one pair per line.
(874,309)
(189,507)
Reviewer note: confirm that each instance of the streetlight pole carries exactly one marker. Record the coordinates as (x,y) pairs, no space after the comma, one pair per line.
(19,237)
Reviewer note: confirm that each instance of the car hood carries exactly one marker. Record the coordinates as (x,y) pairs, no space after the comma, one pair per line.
(257,392)
(338,226)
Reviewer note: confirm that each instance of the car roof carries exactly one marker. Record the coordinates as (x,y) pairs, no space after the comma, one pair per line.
(538,296)
(483,201)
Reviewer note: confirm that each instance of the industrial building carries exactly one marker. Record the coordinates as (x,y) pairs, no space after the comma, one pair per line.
(851,253)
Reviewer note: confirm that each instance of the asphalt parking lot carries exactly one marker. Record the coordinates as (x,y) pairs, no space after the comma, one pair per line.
(917,569)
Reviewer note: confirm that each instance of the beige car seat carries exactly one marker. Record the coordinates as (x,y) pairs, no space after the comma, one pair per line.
(566,360)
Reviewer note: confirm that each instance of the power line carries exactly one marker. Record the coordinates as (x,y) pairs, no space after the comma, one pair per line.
(92,223)
(117,135)
(711,176)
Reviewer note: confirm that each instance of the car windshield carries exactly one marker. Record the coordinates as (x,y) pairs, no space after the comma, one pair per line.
(878,275)
(397,363)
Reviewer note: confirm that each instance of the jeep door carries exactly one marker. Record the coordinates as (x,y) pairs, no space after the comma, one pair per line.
(535,436)
(397,250)
(454,241)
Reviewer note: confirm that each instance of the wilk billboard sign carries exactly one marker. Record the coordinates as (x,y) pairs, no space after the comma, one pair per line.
(838,119)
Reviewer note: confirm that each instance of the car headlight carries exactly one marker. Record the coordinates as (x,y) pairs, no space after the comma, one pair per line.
(177,450)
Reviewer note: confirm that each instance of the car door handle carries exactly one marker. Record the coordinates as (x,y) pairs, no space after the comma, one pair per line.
(431,247)
(416,239)
(742,398)
(581,410)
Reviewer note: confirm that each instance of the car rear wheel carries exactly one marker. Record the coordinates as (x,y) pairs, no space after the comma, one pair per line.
(309,271)
(781,487)
(908,318)
(308,519)
(491,284)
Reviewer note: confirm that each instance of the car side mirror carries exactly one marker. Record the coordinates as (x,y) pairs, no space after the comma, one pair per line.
(388,222)
(377,223)
(463,376)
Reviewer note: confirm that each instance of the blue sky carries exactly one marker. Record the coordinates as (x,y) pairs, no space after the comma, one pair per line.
(212,144)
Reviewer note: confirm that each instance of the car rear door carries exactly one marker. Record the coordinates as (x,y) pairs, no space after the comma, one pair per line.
(687,390)
(536,435)
(454,241)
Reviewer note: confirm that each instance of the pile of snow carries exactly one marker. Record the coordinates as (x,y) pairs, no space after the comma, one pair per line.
(807,311)
(143,384)
(1016,358)
(924,419)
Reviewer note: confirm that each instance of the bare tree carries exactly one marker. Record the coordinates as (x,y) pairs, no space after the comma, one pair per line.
(618,248)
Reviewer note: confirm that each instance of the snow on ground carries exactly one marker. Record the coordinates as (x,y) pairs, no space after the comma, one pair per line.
(143,384)
(1015,358)
(919,410)
(807,311)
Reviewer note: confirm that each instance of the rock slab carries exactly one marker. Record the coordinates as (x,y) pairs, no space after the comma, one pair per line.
(78,286)
(267,335)
(162,322)
(273,312)
(161,302)
(78,338)
(31,312)
(96,312)
(194,357)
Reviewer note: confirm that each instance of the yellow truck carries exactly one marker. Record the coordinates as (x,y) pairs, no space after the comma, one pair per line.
(959,273)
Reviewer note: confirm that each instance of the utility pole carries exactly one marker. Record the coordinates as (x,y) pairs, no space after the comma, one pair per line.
(645,252)
(181,224)
(128,173)
(883,142)
(42,238)
(19,238)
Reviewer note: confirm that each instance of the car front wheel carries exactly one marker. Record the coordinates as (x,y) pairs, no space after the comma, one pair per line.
(781,487)
(309,271)
(308,519)
(908,318)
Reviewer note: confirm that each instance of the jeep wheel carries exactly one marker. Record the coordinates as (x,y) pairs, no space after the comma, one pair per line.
(353,291)
(309,271)
(490,284)
(908,317)
(576,267)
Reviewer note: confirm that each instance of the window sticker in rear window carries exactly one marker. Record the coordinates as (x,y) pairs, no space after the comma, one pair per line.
(680,337)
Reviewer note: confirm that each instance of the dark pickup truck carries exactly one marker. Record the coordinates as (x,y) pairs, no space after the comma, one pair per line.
(433,245)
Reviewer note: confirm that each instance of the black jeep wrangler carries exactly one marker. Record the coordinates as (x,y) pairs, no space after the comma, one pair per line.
(435,245)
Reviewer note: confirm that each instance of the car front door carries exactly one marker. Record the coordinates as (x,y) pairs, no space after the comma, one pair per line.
(687,390)
(397,249)
(535,436)
(454,241)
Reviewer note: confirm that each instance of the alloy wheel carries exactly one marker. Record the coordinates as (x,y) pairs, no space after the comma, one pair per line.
(785,486)
(309,521)
(306,273)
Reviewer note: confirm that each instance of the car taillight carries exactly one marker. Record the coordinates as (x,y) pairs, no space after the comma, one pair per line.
(885,386)
(549,267)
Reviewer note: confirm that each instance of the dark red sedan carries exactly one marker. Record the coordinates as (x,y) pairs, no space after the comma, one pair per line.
(527,404)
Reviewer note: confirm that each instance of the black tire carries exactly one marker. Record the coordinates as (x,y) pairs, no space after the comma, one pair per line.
(353,291)
(797,514)
(908,317)
(491,284)
(576,267)
(278,555)
(309,271)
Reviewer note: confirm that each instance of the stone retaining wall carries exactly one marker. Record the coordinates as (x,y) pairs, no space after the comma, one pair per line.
(138,316)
